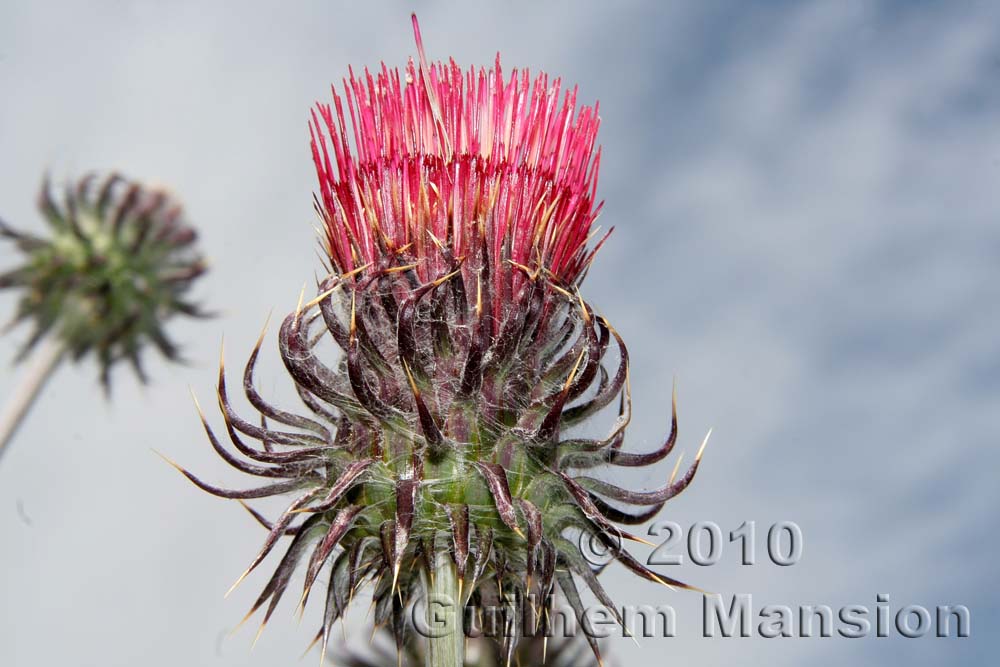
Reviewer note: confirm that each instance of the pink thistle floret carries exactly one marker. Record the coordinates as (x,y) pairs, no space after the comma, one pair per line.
(449,160)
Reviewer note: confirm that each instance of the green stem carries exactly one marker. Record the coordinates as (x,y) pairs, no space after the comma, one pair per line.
(43,362)
(445,636)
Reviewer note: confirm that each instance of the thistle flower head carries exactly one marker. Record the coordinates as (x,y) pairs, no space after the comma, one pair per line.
(458,230)
(118,264)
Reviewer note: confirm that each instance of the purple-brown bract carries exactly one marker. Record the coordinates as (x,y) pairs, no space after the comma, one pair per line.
(458,230)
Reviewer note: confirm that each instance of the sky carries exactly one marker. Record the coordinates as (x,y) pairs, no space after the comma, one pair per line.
(805,205)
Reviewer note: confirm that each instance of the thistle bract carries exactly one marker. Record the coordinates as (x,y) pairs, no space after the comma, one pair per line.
(458,231)
(118,264)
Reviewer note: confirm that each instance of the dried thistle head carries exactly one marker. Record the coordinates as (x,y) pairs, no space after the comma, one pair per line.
(458,231)
(118,263)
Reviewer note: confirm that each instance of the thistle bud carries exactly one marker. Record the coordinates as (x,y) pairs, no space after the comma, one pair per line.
(118,264)
(458,230)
